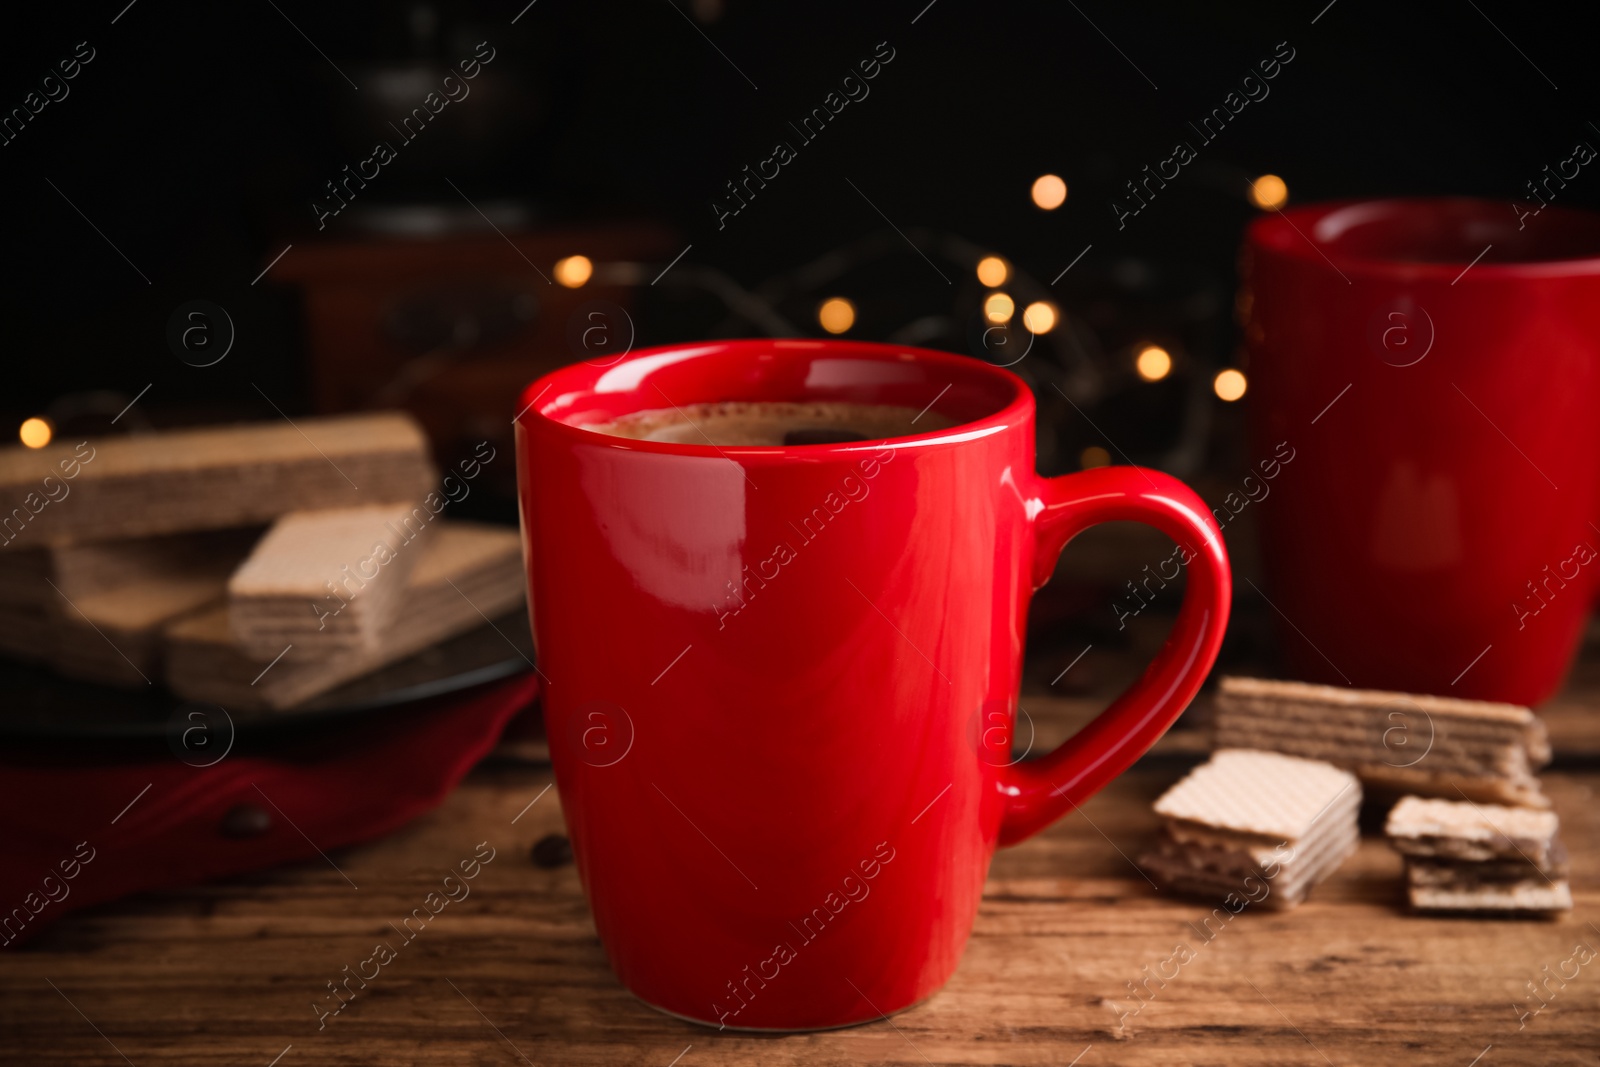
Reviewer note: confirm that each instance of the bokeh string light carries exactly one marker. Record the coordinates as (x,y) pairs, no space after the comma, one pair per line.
(836,314)
(1070,362)
(35,432)
(574,271)
(1040,317)
(1153,363)
(998,307)
(1049,192)
(1230,384)
(1269,192)
(993,271)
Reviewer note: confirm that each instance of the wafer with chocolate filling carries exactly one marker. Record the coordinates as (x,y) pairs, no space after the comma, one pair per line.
(1464,857)
(1429,745)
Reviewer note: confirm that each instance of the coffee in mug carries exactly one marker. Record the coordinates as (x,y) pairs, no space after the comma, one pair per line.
(772,422)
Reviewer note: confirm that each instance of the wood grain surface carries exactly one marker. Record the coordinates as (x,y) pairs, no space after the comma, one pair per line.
(228,973)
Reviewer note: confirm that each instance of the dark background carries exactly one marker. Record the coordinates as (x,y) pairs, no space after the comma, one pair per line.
(198,136)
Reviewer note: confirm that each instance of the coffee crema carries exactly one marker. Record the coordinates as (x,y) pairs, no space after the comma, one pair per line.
(730,423)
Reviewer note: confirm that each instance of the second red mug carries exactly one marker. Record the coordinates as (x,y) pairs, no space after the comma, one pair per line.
(1434,367)
(774,672)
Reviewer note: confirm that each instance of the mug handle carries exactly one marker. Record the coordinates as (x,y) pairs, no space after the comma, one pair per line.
(1038,792)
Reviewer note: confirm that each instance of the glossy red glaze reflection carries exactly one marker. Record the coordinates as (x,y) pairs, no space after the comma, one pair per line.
(781,680)
(1427,535)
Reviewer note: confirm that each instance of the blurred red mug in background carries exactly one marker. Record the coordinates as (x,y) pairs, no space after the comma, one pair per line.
(1435,365)
(782,679)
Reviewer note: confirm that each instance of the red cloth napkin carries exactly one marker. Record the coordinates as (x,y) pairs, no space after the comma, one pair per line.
(75,835)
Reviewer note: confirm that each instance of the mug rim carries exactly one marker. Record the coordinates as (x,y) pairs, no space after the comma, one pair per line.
(1288,233)
(1017,409)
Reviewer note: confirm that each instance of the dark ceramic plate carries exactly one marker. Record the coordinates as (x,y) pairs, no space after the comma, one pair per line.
(37,705)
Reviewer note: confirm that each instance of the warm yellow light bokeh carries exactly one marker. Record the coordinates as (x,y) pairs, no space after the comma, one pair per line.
(36,432)
(1094,456)
(1269,192)
(1049,192)
(574,271)
(1039,317)
(1230,384)
(1153,363)
(993,271)
(998,307)
(836,314)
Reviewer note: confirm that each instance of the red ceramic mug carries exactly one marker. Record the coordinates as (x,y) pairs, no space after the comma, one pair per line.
(1434,366)
(774,672)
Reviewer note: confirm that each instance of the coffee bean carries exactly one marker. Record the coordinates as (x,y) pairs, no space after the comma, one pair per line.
(551,851)
(821,435)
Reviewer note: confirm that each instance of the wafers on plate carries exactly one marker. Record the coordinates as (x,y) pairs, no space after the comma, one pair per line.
(465,574)
(1426,745)
(1258,825)
(1480,858)
(117,551)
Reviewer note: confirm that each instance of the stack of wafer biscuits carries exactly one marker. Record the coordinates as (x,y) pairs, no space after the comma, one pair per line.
(330,581)
(116,554)
(1463,857)
(1429,745)
(1261,827)
(464,574)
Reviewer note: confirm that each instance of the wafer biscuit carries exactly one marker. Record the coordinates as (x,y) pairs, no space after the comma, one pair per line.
(40,577)
(207,478)
(113,600)
(1422,744)
(1465,857)
(1263,794)
(1260,826)
(465,572)
(1458,830)
(82,570)
(328,581)
(1290,873)
(115,637)
(1535,895)
(1467,874)
(1342,810)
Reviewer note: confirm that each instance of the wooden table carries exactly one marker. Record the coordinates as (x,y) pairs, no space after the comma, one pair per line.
(227,973)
